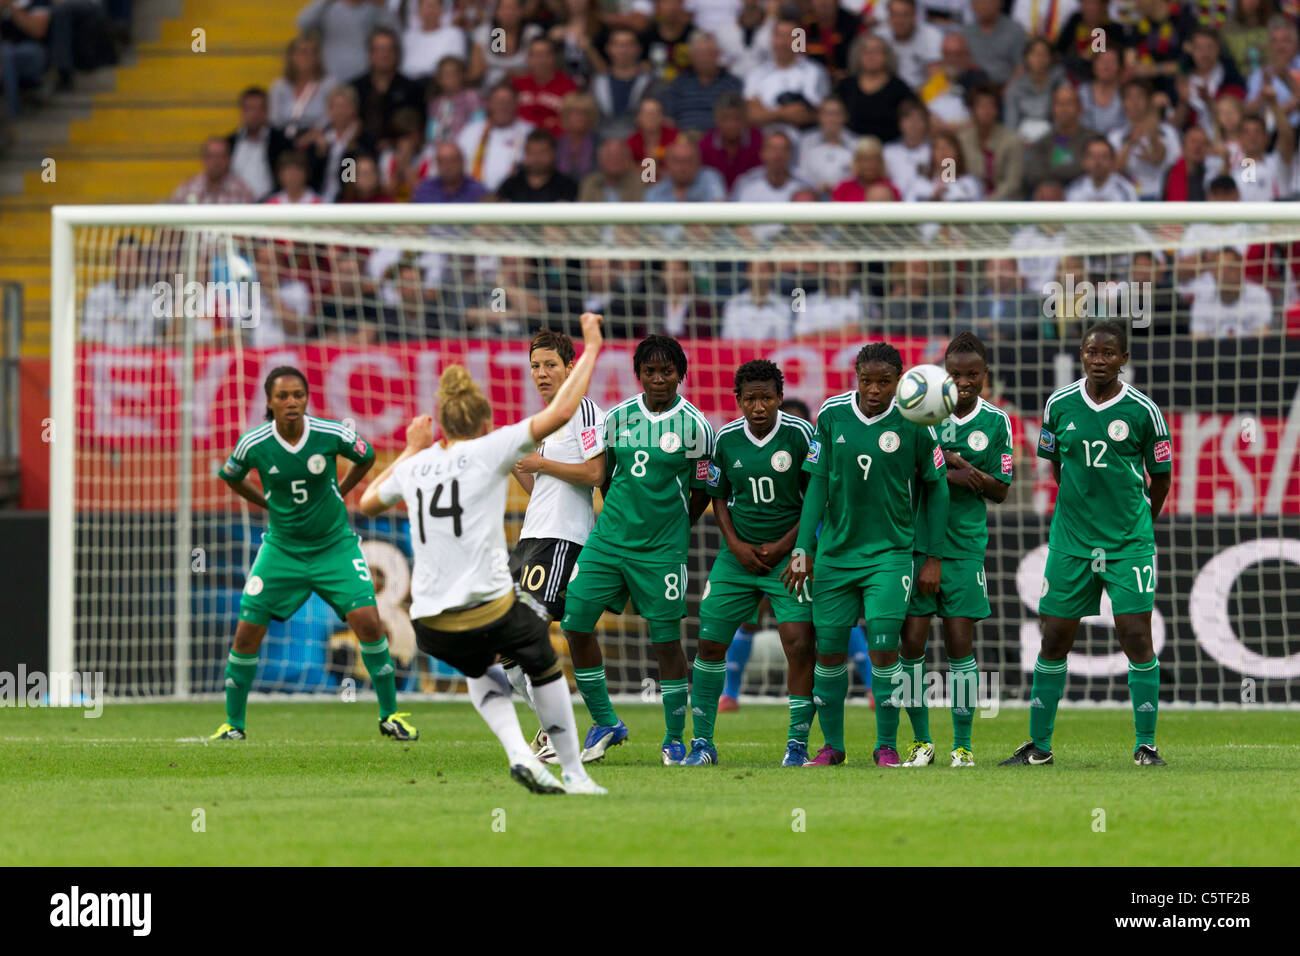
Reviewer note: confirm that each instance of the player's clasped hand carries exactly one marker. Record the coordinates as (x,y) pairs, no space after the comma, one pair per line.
(927,581)
(530,464)
(798,573)
(750,558)
(419,434)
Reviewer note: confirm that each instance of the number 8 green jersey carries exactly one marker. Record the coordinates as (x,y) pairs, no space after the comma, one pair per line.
(1102,502)
(761,478)
(300,482)
(654,461)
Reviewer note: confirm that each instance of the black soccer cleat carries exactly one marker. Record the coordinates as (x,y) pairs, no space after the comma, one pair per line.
(1147,756)
(1028,755)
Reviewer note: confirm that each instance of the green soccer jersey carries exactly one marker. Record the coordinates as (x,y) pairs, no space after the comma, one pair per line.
(871,466)
(300,482)
(654,461)
(983,438)
(760,478)
(1102,501)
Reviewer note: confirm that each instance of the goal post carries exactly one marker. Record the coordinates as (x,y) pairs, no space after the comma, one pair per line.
(165,320)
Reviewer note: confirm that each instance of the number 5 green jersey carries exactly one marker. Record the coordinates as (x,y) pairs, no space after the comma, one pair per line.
(1102,501)
(300,482)
(654,461)
(871,465)
(761,478)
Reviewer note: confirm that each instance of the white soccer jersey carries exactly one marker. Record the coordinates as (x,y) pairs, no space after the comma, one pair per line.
(557,508)
(456,502)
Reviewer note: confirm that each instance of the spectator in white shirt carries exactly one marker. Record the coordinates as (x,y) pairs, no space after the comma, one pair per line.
(1100,182)
(1043,18)
(1146,147)
(746,39)
(758,312)
(119,311)
(283,304)
(1279,73)
(790,90)
(1227,305)
(772,181)
(916,44)
(836,308)
(1041,245)
(293,170)
(424,47)
(826,153)
(908,158)
(948,179)
(256,145)
(1267,175)
(494,145)
(1198,253)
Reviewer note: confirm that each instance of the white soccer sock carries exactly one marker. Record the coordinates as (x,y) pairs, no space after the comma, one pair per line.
(522,685)
(491,696)
(555,710)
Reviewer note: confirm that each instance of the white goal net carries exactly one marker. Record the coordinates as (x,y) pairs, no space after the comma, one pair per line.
(166,321)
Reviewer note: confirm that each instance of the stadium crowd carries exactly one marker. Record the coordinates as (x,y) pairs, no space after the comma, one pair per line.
(760,101)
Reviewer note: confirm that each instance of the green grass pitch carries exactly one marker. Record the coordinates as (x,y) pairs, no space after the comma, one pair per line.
(316,785)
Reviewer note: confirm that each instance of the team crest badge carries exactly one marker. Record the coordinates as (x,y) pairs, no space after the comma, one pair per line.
(1118,429)
(254,586)
(670,442)
(782,461)
(978,441)
(889,442)
(316,464)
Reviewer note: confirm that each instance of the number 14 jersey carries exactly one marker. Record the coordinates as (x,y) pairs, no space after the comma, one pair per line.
(456,500)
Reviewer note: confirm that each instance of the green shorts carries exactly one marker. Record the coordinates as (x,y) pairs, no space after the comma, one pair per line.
(281,580)
(963,590)
(878,590)
(1072,589)
(602,582)
(733,595)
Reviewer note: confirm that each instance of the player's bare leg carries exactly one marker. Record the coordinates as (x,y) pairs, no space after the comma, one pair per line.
(365,622)
(1049,686)
(241,668)
(963,684)
(1134,633)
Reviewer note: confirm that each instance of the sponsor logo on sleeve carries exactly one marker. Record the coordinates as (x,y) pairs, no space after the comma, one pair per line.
(231,468)
(360,446)
(814,451)
(1047,440)
(588,439)
(1164,451)
(1006,464)
(702,469)
(938,457)
(715,475)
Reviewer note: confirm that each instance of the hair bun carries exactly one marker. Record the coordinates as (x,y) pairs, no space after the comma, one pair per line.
(455,381)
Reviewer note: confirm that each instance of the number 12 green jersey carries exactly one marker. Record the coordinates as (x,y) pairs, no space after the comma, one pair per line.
(1102,501)
(300,482)
(761,478)
(654,461)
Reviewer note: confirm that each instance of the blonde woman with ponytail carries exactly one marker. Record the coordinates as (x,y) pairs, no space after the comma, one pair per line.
(466,609)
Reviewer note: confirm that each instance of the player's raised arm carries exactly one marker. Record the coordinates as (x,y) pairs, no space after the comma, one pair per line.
(419,436)
(567,400)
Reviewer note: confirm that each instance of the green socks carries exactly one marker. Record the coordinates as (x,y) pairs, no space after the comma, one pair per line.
(706,688)
(914,697)
(885,682)
(240,670)
(830,688)
(675,696)
(1049,686)
(595,694)
(1144,689)
(801,715)
(379,665)
(964,683)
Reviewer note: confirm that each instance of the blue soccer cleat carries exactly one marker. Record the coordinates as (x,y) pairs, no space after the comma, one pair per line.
(600,739)
(796,754)
(674,752)
(702,754)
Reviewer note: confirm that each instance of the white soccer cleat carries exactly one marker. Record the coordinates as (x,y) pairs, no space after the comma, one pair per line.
(961,757)
(587,786)
(921,755)
(542,748)
(531,774)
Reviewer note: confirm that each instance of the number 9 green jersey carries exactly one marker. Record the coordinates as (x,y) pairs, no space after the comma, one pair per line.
(300,482)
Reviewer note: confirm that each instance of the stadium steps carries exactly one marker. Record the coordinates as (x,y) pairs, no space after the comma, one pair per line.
(132,133)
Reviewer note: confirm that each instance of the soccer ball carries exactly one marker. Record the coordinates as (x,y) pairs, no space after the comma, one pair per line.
(926,394)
